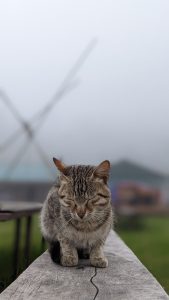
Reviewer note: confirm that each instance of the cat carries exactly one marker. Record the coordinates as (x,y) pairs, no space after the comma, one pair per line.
(77,214)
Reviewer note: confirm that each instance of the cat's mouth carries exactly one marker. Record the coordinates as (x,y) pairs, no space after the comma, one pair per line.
(80,218)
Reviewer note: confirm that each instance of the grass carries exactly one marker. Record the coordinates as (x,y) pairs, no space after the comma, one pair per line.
(150,243)
(7,234)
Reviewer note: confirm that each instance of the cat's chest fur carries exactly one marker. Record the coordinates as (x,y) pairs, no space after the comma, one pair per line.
(84,237)
(81,239)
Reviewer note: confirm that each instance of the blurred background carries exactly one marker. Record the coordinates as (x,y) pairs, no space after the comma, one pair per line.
(85,82)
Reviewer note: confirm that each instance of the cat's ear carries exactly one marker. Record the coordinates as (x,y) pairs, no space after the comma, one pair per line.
(60,166)
(102,170)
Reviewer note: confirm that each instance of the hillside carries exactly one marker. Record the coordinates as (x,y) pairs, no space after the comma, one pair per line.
(129,171)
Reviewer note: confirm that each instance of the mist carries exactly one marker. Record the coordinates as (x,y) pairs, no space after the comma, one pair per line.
(118,108)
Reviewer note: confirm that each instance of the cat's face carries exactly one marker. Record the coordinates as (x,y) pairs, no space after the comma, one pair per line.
(83,193)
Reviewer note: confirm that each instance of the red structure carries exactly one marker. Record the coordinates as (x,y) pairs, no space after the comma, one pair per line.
(132,198)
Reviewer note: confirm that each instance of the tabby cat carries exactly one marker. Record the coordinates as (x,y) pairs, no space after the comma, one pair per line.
(77,214)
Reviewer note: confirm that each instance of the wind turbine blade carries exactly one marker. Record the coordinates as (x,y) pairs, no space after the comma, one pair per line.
(37,117)
(66,83)
(25,147)
(70,75)
(5,98)
(20,154)
(44,158)
(61,91)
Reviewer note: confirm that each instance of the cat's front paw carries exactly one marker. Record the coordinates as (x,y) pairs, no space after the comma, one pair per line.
(100,262)
(69,261)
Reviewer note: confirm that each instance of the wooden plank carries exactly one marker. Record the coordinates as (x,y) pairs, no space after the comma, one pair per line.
(124,279)
(16,248)
(10,210)
(6,216)
(16,206)
(45,280)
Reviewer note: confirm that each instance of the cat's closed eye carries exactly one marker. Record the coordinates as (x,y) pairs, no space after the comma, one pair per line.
(103,195)
(100,202)
(64,201)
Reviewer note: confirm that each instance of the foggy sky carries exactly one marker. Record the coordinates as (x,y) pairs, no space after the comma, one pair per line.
(120,108)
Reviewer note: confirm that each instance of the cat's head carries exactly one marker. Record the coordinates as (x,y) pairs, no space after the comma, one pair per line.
(83,191)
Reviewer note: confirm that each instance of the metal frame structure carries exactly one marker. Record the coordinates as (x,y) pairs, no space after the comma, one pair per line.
(30,127)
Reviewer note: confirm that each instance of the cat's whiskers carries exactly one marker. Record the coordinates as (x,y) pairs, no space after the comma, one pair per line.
(64,225)
(106,222)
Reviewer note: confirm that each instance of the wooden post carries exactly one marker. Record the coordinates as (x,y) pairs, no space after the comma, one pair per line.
(43,244)
(27,240)
(16,248)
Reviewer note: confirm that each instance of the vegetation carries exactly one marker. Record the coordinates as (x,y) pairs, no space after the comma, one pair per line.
(150,243)
(7,234)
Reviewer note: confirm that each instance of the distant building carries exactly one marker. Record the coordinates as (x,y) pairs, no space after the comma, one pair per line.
(27,183)
(138,190)
(24,191)
(129,171)
(130,183)
(131,197)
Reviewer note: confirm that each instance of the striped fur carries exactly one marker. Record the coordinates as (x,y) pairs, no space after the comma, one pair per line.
(78,213)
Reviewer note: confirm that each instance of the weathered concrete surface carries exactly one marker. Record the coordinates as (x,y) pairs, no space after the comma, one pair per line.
(125,279)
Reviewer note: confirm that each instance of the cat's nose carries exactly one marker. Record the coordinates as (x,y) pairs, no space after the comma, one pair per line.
(81,213)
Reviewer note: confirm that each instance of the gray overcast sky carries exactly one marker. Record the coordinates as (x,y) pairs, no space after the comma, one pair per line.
(120,109)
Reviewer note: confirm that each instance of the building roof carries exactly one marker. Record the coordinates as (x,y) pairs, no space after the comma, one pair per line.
(25,173)
(129,171)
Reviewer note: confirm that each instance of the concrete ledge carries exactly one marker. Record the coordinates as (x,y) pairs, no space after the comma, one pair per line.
(125,279)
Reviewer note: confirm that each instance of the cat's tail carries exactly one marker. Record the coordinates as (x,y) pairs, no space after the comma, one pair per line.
(83,253)
(54,251)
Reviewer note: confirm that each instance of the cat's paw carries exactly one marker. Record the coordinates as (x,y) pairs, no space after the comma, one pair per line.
(69,261)
(100,262)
